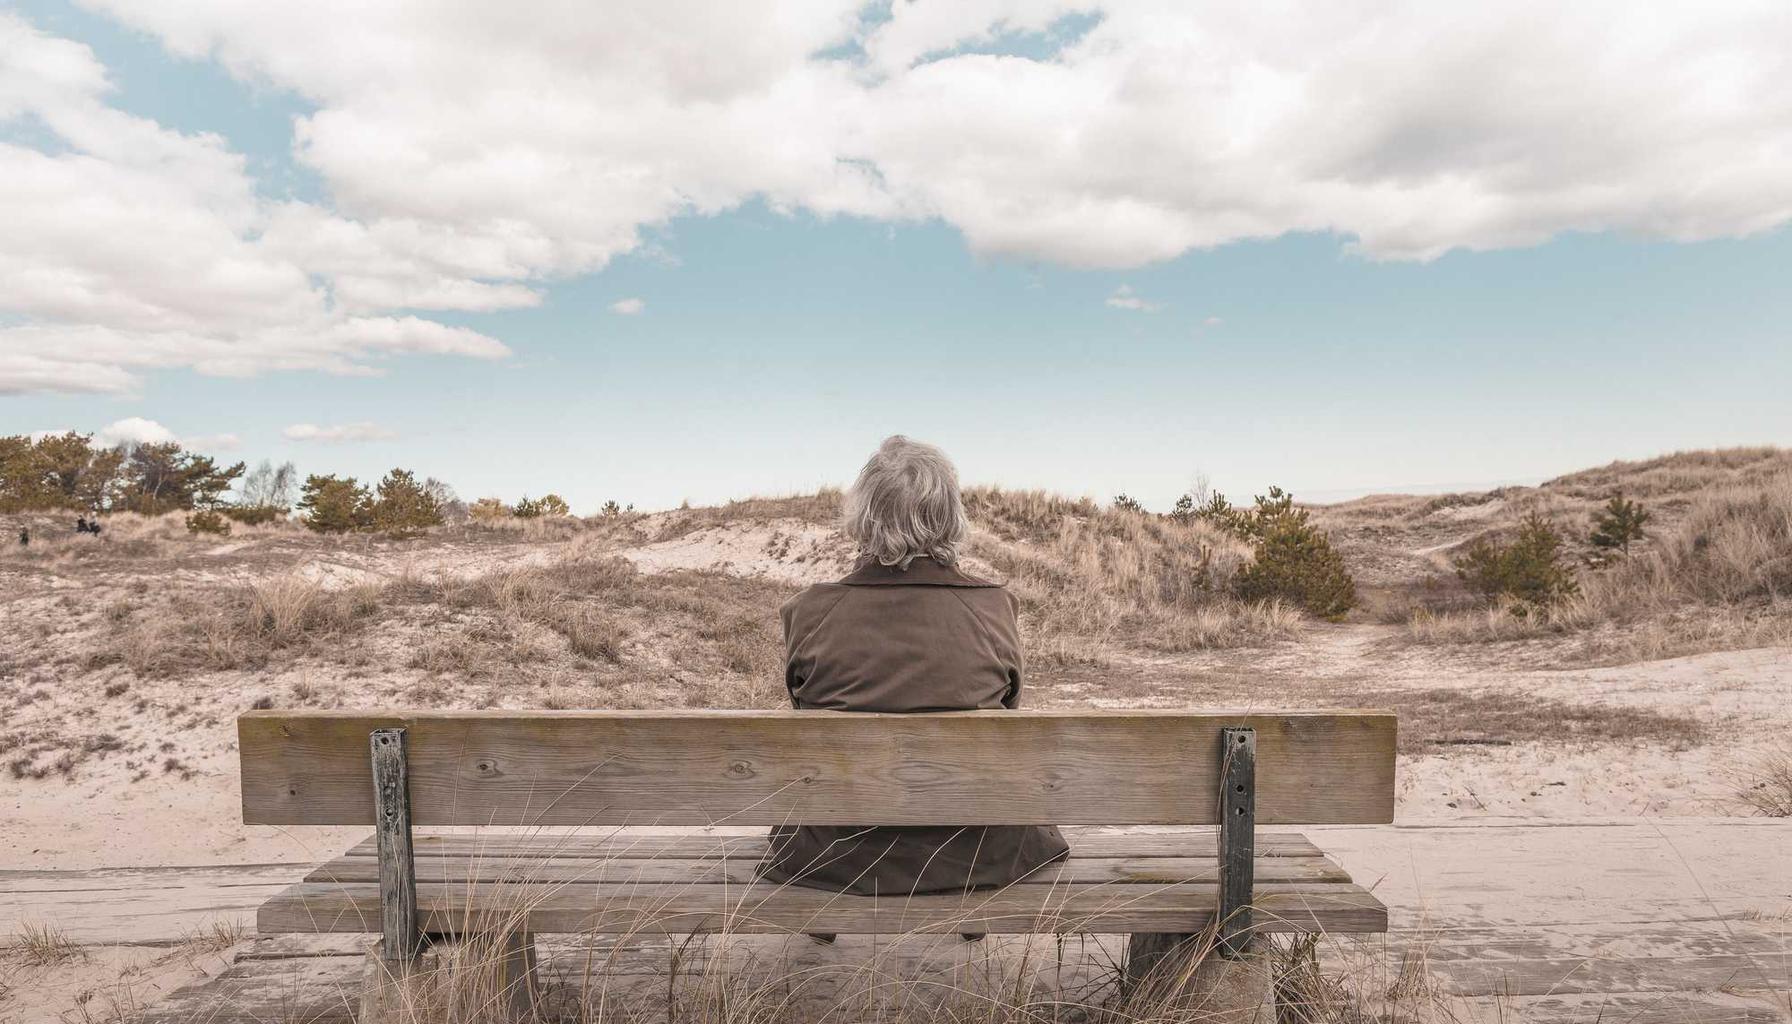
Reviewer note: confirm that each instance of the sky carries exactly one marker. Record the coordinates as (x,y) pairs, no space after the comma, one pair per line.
(677,251)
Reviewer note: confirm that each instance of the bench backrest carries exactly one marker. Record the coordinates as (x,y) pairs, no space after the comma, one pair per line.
(779,767)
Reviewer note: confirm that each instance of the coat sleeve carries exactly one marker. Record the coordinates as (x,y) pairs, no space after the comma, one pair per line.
(1008,643)
(792,678)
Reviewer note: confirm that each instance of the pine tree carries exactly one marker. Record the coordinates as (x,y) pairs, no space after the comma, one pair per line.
(402,505)
(1528,569)
(1618,524)
(332,504)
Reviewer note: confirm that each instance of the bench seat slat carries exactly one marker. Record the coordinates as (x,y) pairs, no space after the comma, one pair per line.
(740,870)
(684,908)
(1198,841)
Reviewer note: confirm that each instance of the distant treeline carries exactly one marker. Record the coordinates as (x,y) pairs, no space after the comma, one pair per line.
(69,473)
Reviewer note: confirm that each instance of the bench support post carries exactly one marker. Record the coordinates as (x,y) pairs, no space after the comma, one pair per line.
(1238,838)
(400,938)
(1221,973)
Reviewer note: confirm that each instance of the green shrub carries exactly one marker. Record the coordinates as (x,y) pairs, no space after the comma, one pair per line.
(1295,559)
(253,515)
(402,505)
(332,504)
(1126,503)
(1528,569)
(1618,524)
(208,520)
(1296,562)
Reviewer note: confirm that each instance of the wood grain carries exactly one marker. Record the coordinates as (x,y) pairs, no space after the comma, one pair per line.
(779,767)
(1198,841)
(647,908)
(396,872)
(1238,833)
(740,870)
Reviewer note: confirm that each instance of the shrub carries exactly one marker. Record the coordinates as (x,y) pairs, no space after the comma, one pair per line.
(253,515)
(547,506)
(402,505)
(488,510)
(611,510)
(1295,559)
(333,504)
(1618,524)
(1296,562)
(1125,503)
(208,520)
(1528,569)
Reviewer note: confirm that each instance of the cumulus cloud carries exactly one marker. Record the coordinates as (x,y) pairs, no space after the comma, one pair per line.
(628,307)
(338,434)
(472,156)
(133,430)
(129,247)
(1125,298)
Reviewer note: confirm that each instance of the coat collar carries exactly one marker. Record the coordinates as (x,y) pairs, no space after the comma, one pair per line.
(922,572)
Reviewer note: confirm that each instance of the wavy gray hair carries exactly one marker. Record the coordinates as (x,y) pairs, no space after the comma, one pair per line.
(906,504)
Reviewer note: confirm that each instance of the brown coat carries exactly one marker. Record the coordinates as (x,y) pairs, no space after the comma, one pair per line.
(928,638)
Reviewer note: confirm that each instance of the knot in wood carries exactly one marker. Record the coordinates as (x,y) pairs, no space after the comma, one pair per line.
(741,770)
(486,766)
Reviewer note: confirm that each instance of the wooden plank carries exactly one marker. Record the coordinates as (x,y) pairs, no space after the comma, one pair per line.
(606,843)
(392,841)
(740,870)
(139,906)
(779,767)
(1623,1008)
(629,909)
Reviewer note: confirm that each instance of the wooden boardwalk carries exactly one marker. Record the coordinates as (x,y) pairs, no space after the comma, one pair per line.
(1629,921)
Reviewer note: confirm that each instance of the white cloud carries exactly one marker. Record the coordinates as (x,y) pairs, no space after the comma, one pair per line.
(339,434)
(473,155)
(1212,321)
(629,306)
(1125,298)
(130,247)
(133,430)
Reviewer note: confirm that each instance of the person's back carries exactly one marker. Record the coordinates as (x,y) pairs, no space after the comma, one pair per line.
(906,631)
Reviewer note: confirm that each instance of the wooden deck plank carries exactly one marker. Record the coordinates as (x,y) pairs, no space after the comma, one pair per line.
(627,909)
(773,767)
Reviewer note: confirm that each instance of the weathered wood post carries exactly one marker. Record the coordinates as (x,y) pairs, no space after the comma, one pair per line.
(398,873)
(1227,982)
(1238,839)
(400,940)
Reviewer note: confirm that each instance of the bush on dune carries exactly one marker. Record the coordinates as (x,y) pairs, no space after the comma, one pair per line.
(1527,569)
(1722,576)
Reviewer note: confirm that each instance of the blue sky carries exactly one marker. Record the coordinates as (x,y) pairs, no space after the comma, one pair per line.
(777,342)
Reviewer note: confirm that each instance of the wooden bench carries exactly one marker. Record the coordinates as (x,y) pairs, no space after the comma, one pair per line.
(618,774)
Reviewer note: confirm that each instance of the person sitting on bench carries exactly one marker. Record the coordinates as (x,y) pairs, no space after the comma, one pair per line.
(906,631)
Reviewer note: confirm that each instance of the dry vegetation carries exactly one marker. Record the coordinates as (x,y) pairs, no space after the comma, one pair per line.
(1715,571)
(127,657)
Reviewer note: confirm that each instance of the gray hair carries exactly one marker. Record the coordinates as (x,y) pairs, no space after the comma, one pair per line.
(906,504)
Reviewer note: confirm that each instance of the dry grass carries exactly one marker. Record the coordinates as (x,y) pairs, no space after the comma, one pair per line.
(1090,577)
(655,972)
(1721,577)
(234,626)
(40,945)
(1766,786)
